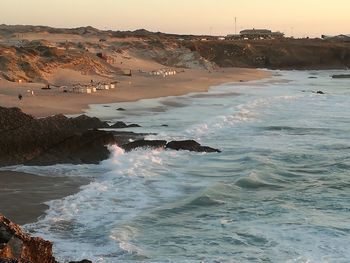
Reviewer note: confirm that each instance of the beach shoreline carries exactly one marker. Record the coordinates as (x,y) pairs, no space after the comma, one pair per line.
(140,86)
(30,192)
(23,196)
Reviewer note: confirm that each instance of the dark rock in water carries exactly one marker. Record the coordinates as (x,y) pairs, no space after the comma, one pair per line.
(58,139)
(121,109)
(144,144)
(55,139)
(190,145)
(134,126)
(312,77)
(122,125)
(164,125)
(82,261)
(119,125)
(17,246)
(320,92)
(341,76)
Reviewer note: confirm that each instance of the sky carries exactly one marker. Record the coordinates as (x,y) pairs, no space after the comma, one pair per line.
(299,18)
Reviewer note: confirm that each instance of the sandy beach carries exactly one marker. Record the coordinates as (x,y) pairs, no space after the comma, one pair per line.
(23,195)
(139,86)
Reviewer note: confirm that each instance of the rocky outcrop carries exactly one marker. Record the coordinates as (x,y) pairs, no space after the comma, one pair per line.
(58,139)
(341,76)
(17,246)
(155,144)
(122,125)
(190,145)
(51,140)
(82,261)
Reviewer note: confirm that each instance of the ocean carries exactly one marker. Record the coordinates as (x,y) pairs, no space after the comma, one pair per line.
(278,192)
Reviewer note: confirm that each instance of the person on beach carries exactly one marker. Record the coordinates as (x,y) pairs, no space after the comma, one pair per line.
(20,96)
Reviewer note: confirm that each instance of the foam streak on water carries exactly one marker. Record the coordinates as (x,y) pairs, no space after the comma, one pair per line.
(279,192)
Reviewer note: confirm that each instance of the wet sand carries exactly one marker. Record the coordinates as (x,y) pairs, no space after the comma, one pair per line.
(22,195)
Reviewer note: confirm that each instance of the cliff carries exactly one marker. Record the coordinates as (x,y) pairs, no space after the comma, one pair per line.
(275,54)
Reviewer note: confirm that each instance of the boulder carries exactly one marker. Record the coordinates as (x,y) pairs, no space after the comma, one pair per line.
(341,76)
(51,140)
(122,125)
(17,246)
(320,92)
(133,125)
(121,109)
(153,144)
(190,145)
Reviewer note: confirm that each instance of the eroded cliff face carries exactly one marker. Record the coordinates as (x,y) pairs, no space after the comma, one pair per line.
(275,54)
(17,246)
(35,62)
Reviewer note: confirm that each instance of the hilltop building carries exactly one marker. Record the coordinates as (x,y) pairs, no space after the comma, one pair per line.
(260,34)
(256,34)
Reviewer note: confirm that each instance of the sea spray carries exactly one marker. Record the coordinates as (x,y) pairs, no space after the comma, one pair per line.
(279,191)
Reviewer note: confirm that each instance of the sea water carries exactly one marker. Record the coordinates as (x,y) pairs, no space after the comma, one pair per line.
(278,192)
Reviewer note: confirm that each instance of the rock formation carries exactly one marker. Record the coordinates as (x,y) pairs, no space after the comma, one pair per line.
(190,145)
(58,139)
(122,125)
(17,246)
(51,140)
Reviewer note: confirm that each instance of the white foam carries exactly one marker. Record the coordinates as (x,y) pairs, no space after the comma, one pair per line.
(130,185)
(241,113)
(127,187)
(123,236)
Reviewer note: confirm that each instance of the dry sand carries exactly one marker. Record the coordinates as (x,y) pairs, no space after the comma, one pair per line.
(139,86)
(22,195)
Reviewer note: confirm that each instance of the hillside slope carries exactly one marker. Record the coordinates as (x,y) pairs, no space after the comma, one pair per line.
(34,62)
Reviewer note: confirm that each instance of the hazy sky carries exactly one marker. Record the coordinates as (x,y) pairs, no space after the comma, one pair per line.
(302,17)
